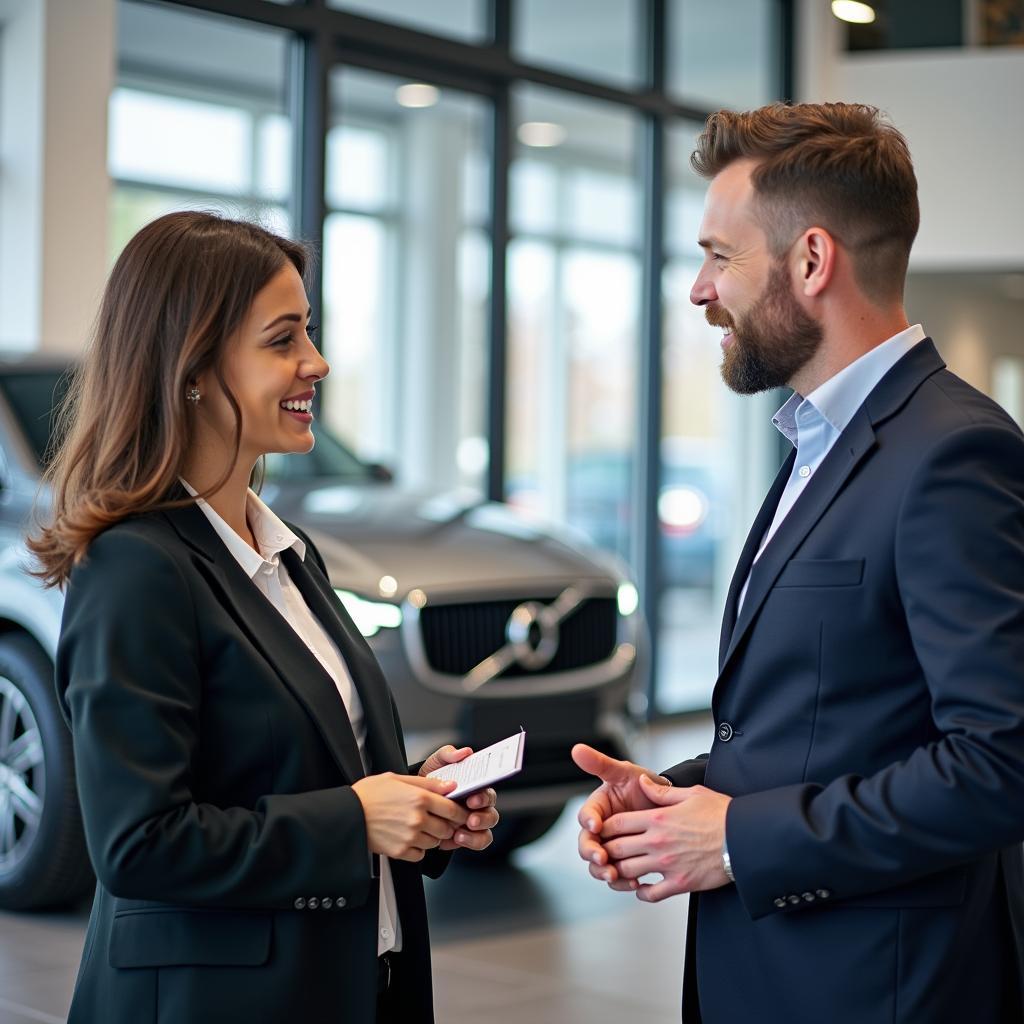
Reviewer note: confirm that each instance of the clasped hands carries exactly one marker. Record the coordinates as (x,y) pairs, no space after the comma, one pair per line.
(637,824)
(407,815)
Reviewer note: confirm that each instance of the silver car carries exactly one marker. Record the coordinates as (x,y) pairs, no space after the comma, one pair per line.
(483,621)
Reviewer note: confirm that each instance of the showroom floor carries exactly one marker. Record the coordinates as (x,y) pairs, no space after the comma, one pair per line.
(538,941)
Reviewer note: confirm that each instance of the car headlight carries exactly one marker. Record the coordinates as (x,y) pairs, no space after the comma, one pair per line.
(370,617)
(628,599)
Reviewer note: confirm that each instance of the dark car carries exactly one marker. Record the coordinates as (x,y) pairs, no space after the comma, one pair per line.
(482,620)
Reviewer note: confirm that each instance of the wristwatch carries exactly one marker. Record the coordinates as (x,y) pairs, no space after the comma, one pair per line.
(726,862)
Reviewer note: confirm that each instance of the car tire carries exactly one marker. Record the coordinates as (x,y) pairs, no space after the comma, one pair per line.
(516,830)
(43,859)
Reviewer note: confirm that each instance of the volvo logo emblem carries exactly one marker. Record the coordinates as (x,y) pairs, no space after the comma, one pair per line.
(532,632)
(531,635)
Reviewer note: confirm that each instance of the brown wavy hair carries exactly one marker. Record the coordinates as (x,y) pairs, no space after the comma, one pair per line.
(179,290)
(841,166)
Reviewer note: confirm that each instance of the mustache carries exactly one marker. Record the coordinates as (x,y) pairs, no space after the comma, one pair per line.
(717,317)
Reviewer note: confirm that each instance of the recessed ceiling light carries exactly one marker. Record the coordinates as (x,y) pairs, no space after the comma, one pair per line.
(417,94)
(851,10)
(541,134)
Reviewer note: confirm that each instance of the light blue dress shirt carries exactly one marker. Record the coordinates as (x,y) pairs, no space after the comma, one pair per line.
(813,424)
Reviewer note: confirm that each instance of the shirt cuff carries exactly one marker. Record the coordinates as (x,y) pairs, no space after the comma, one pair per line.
(727,862)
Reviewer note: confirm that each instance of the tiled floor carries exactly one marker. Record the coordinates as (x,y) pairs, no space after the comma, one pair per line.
(537,942)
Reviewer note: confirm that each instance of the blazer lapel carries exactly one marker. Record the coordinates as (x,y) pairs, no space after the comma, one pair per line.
(381,734)
(750,548)
(852,446)
(272,635)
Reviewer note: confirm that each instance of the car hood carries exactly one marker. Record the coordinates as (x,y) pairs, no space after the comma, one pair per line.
(434,542)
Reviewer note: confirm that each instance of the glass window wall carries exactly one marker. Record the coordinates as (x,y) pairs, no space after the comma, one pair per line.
(574,316)
(723,54)
(407,277)
(197,120)
(718,455)
(599,39)
(200,118)
(460,19)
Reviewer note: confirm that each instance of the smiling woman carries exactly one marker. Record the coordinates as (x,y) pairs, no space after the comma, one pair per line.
(269,369)
(239,757)
(187,285)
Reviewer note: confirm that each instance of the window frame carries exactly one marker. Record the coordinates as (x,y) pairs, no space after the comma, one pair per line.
(324,39)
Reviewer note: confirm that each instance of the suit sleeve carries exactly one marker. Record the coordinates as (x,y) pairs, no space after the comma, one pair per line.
(688,773)
(959,561)
(129,673)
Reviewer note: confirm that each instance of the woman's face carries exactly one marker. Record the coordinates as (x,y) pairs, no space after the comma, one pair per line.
(271,367)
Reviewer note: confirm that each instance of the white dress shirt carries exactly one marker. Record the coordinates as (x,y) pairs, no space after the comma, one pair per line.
(268,572)
(813,424)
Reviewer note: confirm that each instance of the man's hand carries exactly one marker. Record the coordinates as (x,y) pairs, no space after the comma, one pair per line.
(407,815)
(476,834)
(620,791)
(680,839)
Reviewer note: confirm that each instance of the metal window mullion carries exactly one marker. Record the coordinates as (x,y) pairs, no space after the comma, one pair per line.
(193,194)
(647,479)
(497,372)
(308,103)
(785,44)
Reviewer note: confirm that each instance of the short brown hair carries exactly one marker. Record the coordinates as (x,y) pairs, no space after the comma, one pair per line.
(840,166)
(179,290)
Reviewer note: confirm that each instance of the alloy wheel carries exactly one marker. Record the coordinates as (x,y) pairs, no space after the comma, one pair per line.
(22,776)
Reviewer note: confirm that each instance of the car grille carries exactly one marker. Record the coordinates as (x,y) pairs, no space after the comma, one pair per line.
(457,637)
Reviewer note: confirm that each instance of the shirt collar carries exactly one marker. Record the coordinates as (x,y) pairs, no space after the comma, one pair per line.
(839,398)
(269,531)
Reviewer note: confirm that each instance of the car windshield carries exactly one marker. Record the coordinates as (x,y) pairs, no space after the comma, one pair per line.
(35,395)
(329,458)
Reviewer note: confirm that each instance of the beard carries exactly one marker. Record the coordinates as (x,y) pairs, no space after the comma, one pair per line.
(771,342)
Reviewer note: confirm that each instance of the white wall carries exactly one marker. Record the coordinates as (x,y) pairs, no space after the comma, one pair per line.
(961,111)
(57,64)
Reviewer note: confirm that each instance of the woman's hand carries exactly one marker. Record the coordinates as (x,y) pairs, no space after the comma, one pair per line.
(476,834)
(442,756)
(407,815)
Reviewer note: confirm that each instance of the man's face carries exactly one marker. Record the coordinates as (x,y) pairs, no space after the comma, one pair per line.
(746,291)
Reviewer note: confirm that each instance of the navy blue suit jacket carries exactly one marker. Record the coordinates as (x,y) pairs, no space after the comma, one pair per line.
(869,718)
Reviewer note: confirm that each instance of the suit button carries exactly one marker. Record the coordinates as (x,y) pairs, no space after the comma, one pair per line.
(312,903)
(823,894)
(327,903)
(780,902)
(300,904)
(808,896)
(340,902)
(725,732)
(793,898)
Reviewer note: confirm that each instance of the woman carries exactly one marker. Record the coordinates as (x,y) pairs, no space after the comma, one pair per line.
(257,836)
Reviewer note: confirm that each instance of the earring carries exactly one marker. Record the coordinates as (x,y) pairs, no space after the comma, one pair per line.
(193,394)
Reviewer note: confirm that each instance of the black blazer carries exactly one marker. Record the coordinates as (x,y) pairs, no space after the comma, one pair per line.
(869,718)
(215,761)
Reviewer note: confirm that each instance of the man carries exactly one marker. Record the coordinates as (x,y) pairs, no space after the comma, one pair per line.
(854,833)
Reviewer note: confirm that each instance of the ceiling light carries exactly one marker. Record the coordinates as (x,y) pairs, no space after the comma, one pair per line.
(417,94)
(542,134)
(851,10)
